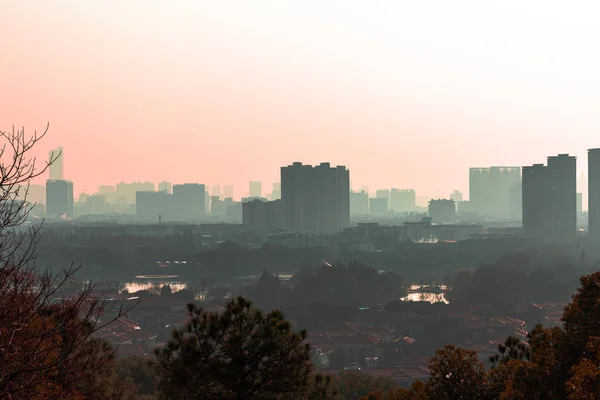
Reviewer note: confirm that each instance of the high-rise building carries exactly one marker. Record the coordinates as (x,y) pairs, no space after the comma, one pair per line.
(442,211)
(490,190)
(403,200)
(384,194)
(228,192)
(378,206)
(255,189)
(189,202)
(126,192)
(215,191)
(165,186)
(266,216)
(457,196)
(106,189)
(96,204)
(594,194)
(316,199)
(59,198)
(564,172)
(276,193)
(550,199)
(579,204)
(359,203)
(516,202)
(151,206)
(56,167)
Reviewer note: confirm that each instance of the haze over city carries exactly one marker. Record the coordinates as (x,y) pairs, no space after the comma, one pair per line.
(405,94)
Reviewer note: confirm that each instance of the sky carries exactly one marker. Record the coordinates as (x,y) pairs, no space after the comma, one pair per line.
(407,94)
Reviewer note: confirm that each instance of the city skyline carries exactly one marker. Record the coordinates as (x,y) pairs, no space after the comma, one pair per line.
(405,86)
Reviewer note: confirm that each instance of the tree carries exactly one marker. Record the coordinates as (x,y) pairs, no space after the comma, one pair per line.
(166,291)
(237,354)
(46,346)
(455,374)
(512,349)
(415,392)
(360,383)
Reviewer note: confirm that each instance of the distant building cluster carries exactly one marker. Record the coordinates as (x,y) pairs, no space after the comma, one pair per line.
(540,201)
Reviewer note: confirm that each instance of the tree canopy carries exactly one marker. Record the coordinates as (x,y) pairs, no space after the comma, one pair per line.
(240,353)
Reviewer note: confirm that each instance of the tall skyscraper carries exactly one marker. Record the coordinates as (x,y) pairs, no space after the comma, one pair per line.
(490,190)
(316,199)
(550,199)
(276,193)
(564,173)
(403,200)
(126,192)
(384,194)
(153,206)
(228,192)
(189,202)
(378,206)
(594,194)
(255,189)
(56,168)
(215,191)
(359,203)
(59,198)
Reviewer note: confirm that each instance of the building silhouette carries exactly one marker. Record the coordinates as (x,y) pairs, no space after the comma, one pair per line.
(442,211)
(276,192)
(151,206)
(359,203)
(550,199)
(378,206)
(165,186)
(265,216)
(384,194)
(59,198)
(594,194)
(56,168)
(215,190)
(403,200)
(189,202)
(227,191)
(457,196)
(490,190)
(125,193)
(315,199)
(255,189)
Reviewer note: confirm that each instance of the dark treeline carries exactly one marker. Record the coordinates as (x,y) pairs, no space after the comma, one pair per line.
(516,278)
(326,294)
(109,259)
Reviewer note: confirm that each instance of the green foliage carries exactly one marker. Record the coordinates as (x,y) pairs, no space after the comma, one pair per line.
(240,353)
(455,374)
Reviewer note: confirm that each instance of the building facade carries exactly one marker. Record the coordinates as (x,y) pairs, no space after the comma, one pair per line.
(490,190)
(594,194)
(255,189)
(402,200)
(151,206)
(550,199)
(315,199)
(189,202)
(59,199)
(56,169)
(442,211)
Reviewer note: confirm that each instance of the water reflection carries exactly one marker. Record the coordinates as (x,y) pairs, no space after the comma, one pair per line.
(430,294)
(154,285)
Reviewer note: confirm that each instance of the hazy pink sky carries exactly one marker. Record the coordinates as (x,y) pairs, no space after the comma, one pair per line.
(407,94)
